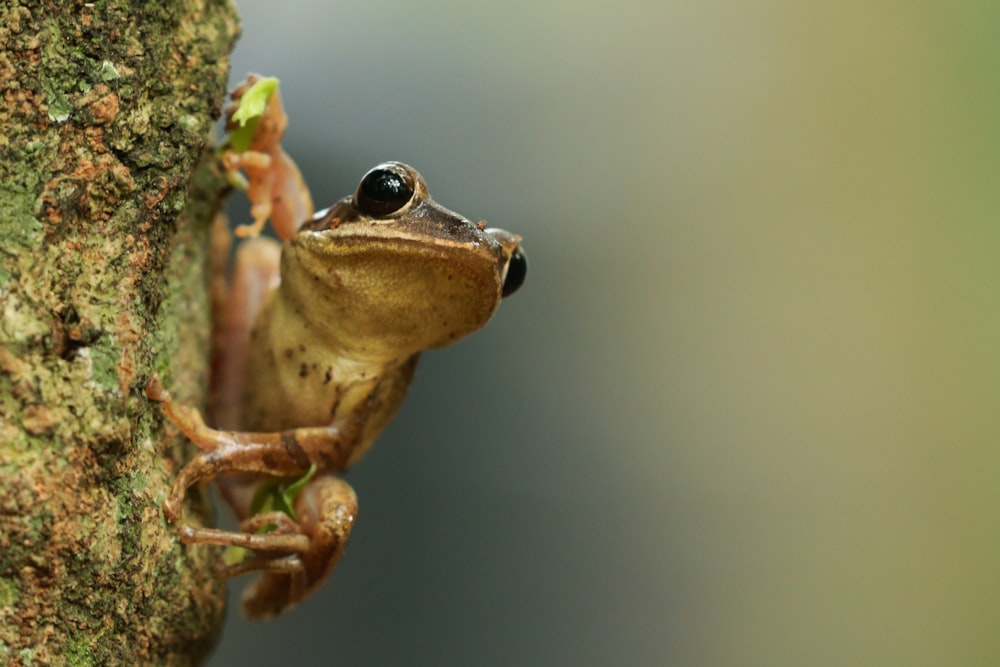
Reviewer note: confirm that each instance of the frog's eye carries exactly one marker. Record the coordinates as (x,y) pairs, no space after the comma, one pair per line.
(385,189)
(517,269)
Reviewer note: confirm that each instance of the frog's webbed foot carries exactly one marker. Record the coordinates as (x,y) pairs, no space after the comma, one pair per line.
(296,557)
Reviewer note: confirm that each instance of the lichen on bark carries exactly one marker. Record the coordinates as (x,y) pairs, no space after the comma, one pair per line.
(107,190)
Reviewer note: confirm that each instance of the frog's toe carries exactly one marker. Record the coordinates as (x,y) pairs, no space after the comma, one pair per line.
(155,390)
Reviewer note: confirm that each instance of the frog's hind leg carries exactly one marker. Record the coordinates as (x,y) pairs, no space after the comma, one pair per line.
(255,275)
(235,308)
(326,510)
(297,556)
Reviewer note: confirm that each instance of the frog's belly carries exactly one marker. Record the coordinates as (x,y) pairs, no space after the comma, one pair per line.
(294,378)
(302,393)
(359,409)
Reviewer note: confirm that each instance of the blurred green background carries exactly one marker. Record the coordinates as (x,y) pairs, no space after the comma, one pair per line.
(745,409)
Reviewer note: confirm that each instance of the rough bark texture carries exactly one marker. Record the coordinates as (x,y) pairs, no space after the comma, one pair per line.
(106,111)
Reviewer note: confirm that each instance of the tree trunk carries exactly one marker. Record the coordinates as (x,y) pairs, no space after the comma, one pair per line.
(107,190)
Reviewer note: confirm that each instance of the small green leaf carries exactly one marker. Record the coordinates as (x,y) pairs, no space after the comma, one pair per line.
(234,555)
(255,99)
(280,494)
(295,488)
(273,495)
(251,108)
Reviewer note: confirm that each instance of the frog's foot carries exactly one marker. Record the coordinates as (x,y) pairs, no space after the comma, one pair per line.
(260,212)
(277,552)
(326,509)
(184,417)
(297,556)
(286,536)
(258,167)
(231,160)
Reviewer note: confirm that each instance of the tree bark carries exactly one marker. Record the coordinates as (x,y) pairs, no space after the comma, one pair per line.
(107,190)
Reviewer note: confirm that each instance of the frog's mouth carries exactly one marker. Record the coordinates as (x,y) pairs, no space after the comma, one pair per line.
(408,292)
(406,249)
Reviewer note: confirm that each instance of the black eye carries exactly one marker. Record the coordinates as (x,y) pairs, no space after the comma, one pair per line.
(517,269)
(384,190)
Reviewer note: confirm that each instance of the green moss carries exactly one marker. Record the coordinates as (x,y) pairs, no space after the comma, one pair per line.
(108,72)
(85,235)
(127,516)
(78,652)
(104,363)
(58,102)
(18,225)
(9,594)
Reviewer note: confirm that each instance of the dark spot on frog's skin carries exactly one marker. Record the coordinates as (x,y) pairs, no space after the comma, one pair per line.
(304,370)
(327,459)
(334,407)
(333,458)
(302,348)
(289,353)
(294,450)
(373,401)
(329,375)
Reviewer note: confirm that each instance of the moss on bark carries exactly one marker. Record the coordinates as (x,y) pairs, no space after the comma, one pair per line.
(107,191)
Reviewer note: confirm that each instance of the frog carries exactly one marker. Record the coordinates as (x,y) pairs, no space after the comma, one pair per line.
(317,337)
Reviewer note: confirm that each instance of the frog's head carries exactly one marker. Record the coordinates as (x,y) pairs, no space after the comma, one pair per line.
(389,271)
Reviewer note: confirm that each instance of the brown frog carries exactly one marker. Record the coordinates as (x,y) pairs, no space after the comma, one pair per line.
(312,361)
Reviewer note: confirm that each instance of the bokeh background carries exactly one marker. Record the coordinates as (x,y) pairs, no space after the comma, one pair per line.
(745,410)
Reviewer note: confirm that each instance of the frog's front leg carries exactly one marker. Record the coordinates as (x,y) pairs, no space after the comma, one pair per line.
(299,554)
(235,309)
(279,454)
